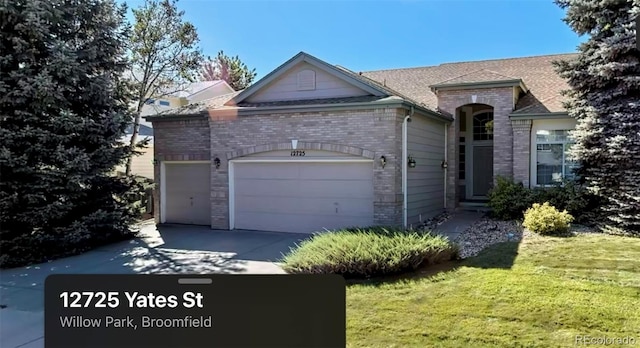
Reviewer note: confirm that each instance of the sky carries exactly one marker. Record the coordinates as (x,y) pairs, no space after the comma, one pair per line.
(373,35)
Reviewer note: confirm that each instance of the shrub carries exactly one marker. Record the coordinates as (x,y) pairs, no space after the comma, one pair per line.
(367,252)
(545,219)
(508,199)
(570,196)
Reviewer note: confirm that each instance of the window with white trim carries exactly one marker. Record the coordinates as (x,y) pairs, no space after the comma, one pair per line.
(552,161)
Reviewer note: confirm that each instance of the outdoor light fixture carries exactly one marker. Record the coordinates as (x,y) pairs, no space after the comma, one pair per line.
(411,162)
(444,164)
(383,161)
(217,162)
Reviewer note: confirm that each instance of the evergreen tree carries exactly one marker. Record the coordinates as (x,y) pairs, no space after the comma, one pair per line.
(605,100)
(63,111)
(231,69)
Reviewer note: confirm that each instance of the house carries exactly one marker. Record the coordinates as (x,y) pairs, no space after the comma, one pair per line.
(192,93)
(314,145)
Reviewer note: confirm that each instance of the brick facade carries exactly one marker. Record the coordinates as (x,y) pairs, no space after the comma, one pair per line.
(179,140)
(521,150)
(369,133)
(501,99)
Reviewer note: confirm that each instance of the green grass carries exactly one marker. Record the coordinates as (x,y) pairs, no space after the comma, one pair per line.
(540,293)
(368,252)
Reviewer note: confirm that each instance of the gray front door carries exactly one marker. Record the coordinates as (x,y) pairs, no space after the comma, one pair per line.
(482,170)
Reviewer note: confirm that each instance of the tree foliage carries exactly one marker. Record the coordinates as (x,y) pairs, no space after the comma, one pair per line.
(230,69)
(605,100)
(63,110)
(164,54)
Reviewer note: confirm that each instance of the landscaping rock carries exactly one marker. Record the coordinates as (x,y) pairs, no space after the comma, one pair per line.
(487,232)
(431,224)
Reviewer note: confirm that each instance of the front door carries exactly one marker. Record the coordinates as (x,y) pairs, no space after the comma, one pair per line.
(482,170)
(479,151)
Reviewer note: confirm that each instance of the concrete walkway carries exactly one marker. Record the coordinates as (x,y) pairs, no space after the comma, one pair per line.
(458,223)
(168,249)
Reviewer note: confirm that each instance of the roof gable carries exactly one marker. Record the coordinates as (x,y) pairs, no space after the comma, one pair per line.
(302,69)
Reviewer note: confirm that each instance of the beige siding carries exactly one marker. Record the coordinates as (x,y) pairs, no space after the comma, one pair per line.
(425,182)
(286,87)
(141,165)
(214,91)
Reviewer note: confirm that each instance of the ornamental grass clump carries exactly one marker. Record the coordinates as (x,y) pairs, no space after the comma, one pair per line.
(545,219)
(364,252)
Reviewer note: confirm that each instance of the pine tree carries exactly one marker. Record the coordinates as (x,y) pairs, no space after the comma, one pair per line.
(63,111)
(605,100)
(230,69)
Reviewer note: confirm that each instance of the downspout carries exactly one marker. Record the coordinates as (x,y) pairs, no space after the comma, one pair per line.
(446,161)
(405,166)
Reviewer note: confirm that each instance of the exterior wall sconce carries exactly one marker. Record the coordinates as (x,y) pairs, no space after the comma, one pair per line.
(383,161)
(216,161)
(155,162)
(411,162)
(444,164)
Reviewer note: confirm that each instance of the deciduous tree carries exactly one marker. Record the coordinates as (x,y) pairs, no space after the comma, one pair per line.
(164,53)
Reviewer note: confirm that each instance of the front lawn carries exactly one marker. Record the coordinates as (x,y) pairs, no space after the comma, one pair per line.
(542,292)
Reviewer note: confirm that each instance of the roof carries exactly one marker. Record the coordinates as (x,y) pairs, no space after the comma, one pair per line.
(537,72)
(197,87)
(413,85)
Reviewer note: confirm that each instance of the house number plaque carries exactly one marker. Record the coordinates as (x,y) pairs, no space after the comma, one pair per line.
(297,153)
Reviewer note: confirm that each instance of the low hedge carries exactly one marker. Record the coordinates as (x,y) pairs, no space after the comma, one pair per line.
(365,252)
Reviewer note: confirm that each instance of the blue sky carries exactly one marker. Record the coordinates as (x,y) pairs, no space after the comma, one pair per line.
(371,35)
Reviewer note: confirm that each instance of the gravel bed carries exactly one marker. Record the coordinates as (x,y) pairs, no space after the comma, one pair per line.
(487,232)
(434,222)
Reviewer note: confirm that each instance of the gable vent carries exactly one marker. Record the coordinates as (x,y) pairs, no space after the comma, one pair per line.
(306,80)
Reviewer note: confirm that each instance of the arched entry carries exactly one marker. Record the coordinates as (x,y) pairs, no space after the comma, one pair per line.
(475,175)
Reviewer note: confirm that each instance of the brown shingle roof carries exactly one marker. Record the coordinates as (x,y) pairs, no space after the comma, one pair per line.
(538,74)
(477,76)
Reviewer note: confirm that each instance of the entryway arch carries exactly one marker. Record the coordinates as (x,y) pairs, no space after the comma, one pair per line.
(475,149)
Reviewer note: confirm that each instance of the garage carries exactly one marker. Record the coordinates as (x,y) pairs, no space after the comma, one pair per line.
(187,188)
(301,196)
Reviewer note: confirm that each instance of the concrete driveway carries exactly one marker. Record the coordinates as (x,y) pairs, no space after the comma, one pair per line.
(166,249)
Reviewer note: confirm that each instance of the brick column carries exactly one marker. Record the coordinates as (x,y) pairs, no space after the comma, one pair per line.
(521,150)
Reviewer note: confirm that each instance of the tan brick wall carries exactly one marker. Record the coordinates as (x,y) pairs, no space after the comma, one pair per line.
(183,140)
(521,150)
(370,133)
(501,99)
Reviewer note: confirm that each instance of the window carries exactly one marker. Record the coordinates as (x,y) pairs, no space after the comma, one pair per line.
(552,162)
(164,103)
(150,101)
(483,126)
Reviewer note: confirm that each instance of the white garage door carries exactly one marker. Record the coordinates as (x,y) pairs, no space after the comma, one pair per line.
(302,197)
(187,193)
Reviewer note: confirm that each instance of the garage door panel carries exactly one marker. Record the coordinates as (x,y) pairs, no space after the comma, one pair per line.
(303,197)
(273,188)
(329,188)
(267,171)
(300,205)
(187,193)
(298,223)
(344,171)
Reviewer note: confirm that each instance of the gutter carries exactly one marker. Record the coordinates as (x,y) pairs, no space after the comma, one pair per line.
(405,166)
(394,102)
(540,116)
